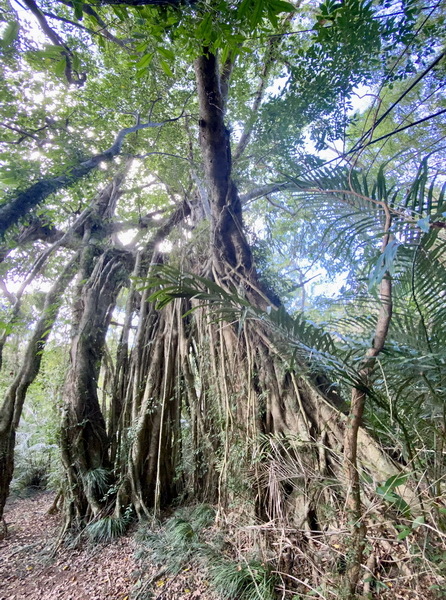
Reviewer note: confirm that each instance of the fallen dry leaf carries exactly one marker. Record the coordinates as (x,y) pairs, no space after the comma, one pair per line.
(30,571)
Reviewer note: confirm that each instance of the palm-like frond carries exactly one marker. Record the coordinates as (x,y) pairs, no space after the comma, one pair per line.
(301,343)
(107,529)
(351,207)
(248,580)
(350,210)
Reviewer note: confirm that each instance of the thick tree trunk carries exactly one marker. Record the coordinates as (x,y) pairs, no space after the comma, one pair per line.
(11,410)
(289,406)
(229,246)
(84,440)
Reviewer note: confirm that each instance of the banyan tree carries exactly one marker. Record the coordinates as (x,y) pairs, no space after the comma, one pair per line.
(212,391)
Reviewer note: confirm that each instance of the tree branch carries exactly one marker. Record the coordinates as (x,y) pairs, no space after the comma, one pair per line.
(264,190)
(359,145)
(6,292)
(89,10)
(76,79)
(24,134)
(17,207)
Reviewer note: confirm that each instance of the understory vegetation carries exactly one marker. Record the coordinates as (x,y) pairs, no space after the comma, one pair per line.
(223,278)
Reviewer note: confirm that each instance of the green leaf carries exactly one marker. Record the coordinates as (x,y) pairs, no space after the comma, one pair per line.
(6,327)
(204,29)
(279,6)
(9,180)
(10,34)
(166,53)
(145,61)
(243,8)
(142,47)
(225,53)
(417,522)
(394,499)
(165,67)
(50,51)
(384,264)
(404,533)
(396,480)
(76,62)
(121,12)
(380,585)
(78,12)
(60,67)
(257,13)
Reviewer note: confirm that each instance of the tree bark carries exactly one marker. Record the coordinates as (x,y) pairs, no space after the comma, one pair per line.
(229,245)
(84,440)
(11,410)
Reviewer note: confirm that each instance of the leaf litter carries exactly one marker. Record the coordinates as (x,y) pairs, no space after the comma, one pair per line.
(31,569)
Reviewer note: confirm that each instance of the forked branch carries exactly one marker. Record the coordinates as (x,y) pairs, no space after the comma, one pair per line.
(13,210)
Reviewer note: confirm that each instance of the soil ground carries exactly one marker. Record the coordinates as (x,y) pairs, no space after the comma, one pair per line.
(30,568)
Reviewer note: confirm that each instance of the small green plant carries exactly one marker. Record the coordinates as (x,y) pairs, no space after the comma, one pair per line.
(97,481)
(178,542)
(242,581)
(33,466)
(186,539)
(387,493)
(106,529)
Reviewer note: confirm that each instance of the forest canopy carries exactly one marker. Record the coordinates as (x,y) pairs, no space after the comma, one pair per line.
(222,233)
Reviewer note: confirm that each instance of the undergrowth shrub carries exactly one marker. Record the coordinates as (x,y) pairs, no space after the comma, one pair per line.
(188,539)
(37,455)
(106,529)
(97,481)
(179,541)
(250,580)
(33,466)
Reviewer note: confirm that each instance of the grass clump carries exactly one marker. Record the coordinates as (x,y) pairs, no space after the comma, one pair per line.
(179,542)
(97,481)
(106,529)
(250,580)
(187,539)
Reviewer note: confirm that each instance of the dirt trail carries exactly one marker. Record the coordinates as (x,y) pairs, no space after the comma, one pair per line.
(30,569)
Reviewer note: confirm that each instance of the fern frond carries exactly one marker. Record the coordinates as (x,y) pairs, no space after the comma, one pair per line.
(300,342)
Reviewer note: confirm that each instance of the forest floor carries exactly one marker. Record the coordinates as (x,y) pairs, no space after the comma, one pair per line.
(30,568)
